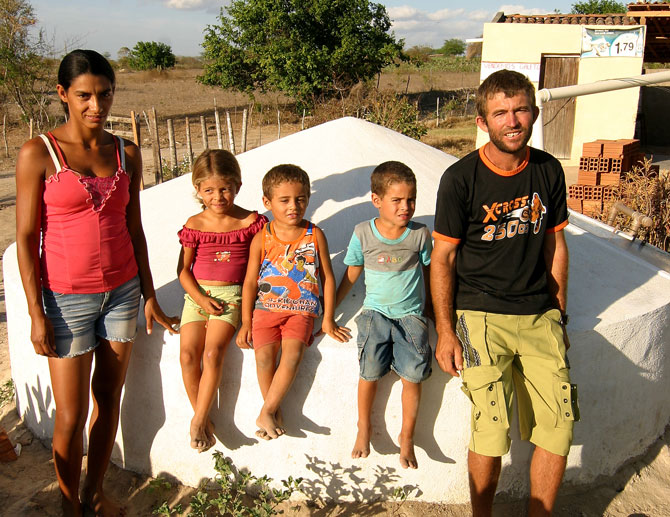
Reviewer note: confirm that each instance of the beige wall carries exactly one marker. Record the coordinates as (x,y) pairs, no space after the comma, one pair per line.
(604,115)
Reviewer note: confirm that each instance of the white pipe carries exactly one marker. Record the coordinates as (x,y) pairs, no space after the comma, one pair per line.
(564,92)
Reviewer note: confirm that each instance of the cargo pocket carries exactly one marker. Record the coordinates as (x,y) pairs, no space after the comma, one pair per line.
(416,332)
(568,404)
(363,322)
(484,387)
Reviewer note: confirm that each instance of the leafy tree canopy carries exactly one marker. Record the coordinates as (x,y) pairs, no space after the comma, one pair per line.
(303,49)
(453,47)
(24,74)
(598,7)
(147,55)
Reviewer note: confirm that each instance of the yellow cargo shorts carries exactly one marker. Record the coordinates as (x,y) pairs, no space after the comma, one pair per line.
(228,295)
(524,355)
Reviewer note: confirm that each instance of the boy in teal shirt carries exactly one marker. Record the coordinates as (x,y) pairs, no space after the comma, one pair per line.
(394,252)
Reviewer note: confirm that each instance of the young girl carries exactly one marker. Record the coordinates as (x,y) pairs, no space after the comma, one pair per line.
(212,265)
(77,195)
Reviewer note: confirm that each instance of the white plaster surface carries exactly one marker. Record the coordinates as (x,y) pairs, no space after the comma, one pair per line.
(619,330)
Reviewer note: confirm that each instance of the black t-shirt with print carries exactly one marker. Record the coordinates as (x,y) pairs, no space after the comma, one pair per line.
(499,219)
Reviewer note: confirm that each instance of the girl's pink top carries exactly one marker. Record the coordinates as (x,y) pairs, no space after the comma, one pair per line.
(86,246)
(221,257)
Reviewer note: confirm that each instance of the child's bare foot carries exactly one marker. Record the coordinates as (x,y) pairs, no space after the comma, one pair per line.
(101,506)
(266,422)
(71,508)
(199,439)
(279,419)
(362,445)
(209,431)
(407,457)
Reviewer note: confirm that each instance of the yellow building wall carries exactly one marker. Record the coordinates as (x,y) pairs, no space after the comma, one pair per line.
(604,115)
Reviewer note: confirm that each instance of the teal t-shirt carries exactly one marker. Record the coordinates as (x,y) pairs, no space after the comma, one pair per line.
(393,268)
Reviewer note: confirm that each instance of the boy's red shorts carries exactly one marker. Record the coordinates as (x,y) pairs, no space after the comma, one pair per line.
(269,327)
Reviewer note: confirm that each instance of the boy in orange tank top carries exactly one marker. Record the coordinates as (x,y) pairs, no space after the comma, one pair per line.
(281,295)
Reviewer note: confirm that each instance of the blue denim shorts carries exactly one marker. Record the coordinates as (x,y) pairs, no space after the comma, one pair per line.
(79,319)
(399,344)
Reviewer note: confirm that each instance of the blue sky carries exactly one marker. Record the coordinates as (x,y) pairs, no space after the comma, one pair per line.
(108,25)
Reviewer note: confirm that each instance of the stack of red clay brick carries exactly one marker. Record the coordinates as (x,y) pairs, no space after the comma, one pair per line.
(600,170)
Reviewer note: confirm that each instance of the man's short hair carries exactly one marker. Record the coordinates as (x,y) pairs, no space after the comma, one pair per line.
(387,173)
(509,82)
(285,173)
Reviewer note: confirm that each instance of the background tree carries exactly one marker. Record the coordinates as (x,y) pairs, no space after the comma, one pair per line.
(25,74)
(304,49)
(598,7)
(147,55)
(453,47)
(419,54)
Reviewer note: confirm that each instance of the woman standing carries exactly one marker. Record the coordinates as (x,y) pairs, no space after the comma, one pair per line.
(78,192)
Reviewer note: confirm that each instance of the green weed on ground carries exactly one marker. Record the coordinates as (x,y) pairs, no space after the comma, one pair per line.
(6,392)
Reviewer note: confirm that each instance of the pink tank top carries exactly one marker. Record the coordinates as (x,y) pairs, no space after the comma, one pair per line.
(86,246)
(221,257)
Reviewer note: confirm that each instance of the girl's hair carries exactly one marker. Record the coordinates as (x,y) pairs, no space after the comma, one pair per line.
(216,162)
(79,62)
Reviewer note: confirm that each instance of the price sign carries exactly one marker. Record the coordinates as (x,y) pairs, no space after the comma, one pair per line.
(613,42)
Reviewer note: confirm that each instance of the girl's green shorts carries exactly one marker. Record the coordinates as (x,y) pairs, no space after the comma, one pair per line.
(228,295)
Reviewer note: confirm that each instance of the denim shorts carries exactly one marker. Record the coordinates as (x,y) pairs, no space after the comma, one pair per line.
(394,344)
(80,319)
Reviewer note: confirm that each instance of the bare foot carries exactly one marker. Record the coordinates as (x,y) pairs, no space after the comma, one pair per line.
(279,420)
(199,438)
(407,457)
(71,508)
(362,445)
(266,422)
(209,431)
(101,506)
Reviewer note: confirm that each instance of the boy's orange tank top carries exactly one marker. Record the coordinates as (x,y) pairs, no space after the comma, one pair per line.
(288,280)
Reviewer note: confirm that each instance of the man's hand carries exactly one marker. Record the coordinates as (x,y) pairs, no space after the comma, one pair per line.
(449,353)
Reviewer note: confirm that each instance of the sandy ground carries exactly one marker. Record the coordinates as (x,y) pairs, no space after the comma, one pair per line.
(28,487)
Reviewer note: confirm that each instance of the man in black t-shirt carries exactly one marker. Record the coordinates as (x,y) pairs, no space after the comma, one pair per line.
(499,272)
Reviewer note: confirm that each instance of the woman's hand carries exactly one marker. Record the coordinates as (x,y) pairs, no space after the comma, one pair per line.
(42,336)
(153,312)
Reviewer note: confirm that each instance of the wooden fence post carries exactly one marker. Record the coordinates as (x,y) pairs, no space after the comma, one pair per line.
(30,132)
(245,120)
(302,124)
(203,129)
(219,137)
(278,124)
(172,147)
(437,113)
(189,146)
(4,134)
(231,139)
(156,147)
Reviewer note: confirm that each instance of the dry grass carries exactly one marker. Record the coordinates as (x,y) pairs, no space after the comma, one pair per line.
(647,191)
(455,135)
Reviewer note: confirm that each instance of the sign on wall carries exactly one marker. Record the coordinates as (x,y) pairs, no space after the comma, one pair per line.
(530,70)
(613,42)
